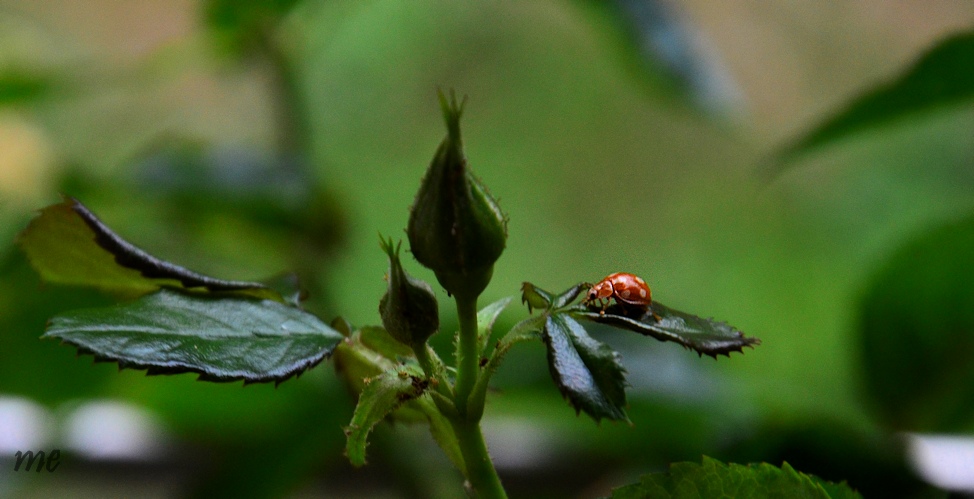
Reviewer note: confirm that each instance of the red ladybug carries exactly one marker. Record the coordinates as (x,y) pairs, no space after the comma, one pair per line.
(627,290)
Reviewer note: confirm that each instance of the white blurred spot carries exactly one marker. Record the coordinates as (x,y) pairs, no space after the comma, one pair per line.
(944,461)
(114,430)
(24,425)
(517,443)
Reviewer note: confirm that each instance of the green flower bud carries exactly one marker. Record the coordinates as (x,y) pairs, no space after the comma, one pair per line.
(455,227)
(409,310)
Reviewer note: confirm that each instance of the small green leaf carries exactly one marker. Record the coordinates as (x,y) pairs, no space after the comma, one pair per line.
(712,478)
(943,76)
(486,318)
(570,295)
(705,336)
(442,431)
(381,395)
(68,244)
(587,372)
(220,338)
(917,332)
(535,297)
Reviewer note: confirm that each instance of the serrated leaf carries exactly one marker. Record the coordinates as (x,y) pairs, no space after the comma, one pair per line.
(367,353)
(357,362)
(711,478)
(220,338)
(486,318)
(381,395)
(916,322)
(943,76)
(442,432)
(705,336)
(587,372)
(68,244)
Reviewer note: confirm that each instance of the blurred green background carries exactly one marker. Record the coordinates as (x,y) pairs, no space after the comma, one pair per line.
(241,139)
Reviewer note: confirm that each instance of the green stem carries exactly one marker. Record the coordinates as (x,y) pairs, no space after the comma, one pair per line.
(468,352)
(480,469)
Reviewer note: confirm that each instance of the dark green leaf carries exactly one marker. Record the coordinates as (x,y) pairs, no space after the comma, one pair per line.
(221,338)
(486,318)
(712,478)
(917,332)
(67,244)
(381,395)
(705,336)
(943,76)
(587,372)
(570,294)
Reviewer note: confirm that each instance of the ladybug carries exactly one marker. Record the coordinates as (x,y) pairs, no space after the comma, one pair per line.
(627,290)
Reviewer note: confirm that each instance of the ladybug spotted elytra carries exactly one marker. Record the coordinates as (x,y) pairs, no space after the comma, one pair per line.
(627,290)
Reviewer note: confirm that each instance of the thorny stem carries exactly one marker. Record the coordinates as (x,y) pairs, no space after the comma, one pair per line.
(468,351)
(479,467)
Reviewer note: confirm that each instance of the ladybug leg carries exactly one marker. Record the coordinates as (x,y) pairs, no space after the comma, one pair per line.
(655,315)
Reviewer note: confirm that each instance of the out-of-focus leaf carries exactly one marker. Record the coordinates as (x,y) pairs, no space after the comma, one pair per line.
(381,395)
(239,22)
(943,76)
(486,318)
(220,338)
(655,43)
(705,336)
(712,478)
(917,332)
(588,372)
(67,244)
(21,87)
(25,306)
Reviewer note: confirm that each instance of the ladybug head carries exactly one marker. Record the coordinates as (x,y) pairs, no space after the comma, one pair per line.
(599,291)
